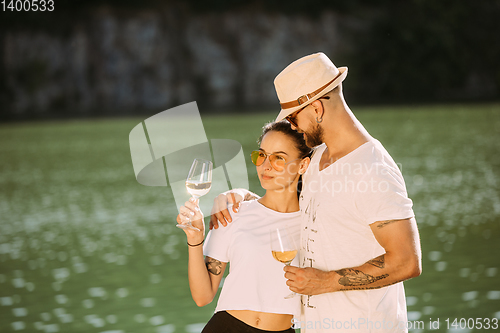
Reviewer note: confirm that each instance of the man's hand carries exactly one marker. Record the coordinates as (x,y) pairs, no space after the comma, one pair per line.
(309,281)
(401,261)
(220,213)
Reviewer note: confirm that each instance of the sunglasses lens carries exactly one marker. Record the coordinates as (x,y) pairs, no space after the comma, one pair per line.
(277,162)
(291,120)
(257,157)
(253,156)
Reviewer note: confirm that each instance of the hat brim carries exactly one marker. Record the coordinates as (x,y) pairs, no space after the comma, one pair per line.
(285,112)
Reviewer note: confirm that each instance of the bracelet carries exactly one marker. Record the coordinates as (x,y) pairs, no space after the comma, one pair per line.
(196,244)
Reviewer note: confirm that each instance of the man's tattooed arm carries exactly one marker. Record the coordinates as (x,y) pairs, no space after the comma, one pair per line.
(369,288)
(382,224)
(378,262)
(213,266)
(401,261)
(354,277)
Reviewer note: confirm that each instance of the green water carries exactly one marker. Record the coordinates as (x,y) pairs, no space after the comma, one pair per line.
(85,248)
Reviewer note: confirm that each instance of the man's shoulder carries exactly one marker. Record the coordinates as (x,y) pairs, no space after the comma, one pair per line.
(375,158)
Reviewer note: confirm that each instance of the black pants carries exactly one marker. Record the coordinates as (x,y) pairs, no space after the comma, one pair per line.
(223,322)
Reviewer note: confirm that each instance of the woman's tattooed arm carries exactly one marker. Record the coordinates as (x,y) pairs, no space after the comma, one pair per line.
(213,266)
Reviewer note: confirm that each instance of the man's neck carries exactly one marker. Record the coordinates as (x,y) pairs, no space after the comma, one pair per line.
(346,134)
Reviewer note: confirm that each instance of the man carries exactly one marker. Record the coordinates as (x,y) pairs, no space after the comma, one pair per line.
(359,237)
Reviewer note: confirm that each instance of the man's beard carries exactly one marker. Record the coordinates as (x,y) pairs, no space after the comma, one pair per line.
(315,138)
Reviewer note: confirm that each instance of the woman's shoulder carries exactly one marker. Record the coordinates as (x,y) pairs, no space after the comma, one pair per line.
(249,204)
(255,209)
(245,208)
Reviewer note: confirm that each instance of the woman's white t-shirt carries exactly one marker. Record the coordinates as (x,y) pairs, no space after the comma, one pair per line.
(256,280)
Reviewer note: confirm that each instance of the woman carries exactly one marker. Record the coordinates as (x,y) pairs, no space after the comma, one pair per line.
(253,295)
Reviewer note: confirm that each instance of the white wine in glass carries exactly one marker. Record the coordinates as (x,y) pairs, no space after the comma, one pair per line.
(198,188)
(285,257)
(283,247)
(198,183)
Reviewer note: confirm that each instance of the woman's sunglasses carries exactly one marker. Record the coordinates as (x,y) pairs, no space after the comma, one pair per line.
(277,162)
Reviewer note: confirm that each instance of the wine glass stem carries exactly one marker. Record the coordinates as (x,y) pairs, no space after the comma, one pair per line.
(189,224)
(195,197)
(293,293)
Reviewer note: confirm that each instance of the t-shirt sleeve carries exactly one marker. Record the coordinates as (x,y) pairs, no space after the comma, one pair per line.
(217,243)
(382,196)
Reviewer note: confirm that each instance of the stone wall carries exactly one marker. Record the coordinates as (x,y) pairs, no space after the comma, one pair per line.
(118,63)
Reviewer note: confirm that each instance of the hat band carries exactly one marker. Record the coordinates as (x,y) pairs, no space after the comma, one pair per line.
(304,98)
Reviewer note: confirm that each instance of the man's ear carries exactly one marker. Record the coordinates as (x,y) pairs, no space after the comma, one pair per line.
(318,108)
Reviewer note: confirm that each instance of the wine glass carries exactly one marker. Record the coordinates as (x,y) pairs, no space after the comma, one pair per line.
(283,247)
(198,183)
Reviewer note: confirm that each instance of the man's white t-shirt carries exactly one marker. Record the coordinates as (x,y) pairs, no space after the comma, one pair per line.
(338,204)
(256,280)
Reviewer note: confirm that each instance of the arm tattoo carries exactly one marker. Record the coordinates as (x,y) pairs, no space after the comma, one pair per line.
(213,266)
(378,262)
(384,223)
(367,288)
(354,277)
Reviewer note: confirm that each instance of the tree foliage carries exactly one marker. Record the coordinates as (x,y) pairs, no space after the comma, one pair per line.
(424,50)
(415,50)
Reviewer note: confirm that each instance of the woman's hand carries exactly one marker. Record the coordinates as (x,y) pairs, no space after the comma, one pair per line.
(191,211)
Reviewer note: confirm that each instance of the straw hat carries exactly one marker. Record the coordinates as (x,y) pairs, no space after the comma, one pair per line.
(305,80)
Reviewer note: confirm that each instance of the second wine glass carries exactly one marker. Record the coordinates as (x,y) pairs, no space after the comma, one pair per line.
(198,183)
(283,247)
